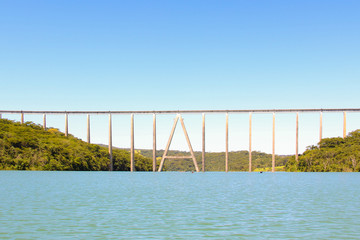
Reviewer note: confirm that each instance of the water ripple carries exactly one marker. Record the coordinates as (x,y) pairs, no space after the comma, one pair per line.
(113,205)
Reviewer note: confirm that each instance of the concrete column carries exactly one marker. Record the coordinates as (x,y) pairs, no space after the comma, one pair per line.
(344,127)
(0,116)
(273,145)
(88,128)
(297,138)
(168,143)
(154,143)
(44,121)
(321,117)
(22,118)
(250,123)
(189,144)
(132,145)
(227,143)
(203,142)
(110,144)
(66,125)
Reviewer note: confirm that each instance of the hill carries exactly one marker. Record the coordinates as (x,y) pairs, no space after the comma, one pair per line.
(215,161)
(29,147)
(330,155)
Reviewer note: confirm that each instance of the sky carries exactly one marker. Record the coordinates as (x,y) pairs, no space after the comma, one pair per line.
(181,55)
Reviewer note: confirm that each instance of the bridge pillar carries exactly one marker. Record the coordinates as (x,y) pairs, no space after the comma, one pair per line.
(132,167)
(273,145)
(168,143)
(0,116)
(321,117)
(88,128)
(154,142)
(110,144)
(178,116)
(297,138)
(227,143)
(22,118)
(66,125)
(44,121)
(203,142)
(250,160)
(344,127)
(189,144)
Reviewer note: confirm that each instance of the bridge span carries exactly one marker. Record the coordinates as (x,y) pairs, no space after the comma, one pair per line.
(179,117)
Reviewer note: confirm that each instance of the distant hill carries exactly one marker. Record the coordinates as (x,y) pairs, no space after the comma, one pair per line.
(215,161)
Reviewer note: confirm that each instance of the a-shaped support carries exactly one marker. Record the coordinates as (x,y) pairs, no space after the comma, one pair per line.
(169,142)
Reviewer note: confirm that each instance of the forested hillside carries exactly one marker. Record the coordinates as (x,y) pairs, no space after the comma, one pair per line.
(215,161)
(29,147)
(330,155)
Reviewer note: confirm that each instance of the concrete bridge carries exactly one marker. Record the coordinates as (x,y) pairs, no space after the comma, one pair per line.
(179,117)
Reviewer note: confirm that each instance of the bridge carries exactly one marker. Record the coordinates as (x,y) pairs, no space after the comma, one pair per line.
(179,117)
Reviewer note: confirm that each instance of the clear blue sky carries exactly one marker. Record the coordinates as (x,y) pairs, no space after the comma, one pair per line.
(158,55)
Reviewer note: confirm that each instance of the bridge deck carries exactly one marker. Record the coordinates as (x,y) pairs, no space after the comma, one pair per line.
(187,111)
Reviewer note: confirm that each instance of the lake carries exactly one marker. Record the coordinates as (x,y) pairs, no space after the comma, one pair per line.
(178,205)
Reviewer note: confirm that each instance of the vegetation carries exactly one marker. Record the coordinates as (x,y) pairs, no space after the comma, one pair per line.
(238,161)
(330,155)
(29,147)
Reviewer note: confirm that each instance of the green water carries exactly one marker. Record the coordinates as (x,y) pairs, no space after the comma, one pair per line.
(169,205)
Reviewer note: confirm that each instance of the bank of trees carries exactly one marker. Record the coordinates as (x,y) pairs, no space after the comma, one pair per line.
(330,155)
(215,161)
(29,147)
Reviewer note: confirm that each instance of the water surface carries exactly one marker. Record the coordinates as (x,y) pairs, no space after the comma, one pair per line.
(171,205)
